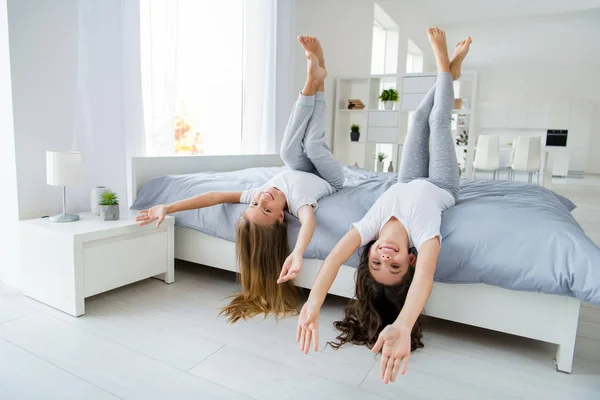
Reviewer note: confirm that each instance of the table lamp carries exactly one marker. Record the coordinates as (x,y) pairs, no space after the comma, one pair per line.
(63,169)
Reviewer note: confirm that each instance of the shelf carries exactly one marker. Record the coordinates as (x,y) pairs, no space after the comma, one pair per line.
(461,111)
(354,111)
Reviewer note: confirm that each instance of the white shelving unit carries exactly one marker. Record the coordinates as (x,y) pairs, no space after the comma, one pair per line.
(373,132)
(377,126)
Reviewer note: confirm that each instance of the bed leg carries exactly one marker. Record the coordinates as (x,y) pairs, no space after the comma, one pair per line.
(566,348)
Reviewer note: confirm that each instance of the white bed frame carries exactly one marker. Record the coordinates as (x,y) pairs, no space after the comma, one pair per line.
(549,318)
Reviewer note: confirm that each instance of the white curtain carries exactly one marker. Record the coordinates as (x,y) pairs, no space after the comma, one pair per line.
(108,128)
(159,31)
(259,60)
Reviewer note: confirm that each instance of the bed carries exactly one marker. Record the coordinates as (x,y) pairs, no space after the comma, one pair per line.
(551,318)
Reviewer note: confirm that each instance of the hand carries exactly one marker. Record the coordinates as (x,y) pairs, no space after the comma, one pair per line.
(394,344)
(308,327)
(152,214)
(291,267)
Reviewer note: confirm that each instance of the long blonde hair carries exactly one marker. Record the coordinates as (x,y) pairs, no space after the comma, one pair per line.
(261,251)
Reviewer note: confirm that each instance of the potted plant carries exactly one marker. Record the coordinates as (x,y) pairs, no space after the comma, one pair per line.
(354,132)
(380,159)
(109,206)
(389,97)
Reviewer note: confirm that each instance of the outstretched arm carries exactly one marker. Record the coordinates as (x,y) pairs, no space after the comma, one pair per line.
(422,283)
(394,340)
(158,213)
(293,263)
(308,321)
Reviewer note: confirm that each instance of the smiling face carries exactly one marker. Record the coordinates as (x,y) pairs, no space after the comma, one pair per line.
(267,207)
(389,261)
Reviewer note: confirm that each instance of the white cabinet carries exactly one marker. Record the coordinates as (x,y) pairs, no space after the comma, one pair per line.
(414,89)
(417,84)
(580,128)
(558,115)
(383,135)
(493,114)
(517,115)
(537,115)
(383,118)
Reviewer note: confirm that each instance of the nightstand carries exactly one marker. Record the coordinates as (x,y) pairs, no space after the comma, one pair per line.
(63,263)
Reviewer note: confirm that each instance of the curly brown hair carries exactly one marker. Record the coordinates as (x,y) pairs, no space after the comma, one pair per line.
(261,252)
(373,307)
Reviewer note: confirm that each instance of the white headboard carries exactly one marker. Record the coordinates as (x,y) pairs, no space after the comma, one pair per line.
(146,168)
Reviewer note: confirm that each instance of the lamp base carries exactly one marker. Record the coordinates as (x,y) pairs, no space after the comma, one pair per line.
(64,218)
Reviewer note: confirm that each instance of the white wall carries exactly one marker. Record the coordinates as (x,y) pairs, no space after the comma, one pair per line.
(529,83)
(345,29)
(9,245)
(69,94)
(43,47)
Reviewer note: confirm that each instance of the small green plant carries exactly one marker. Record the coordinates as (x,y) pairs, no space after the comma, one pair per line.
(354,128)
(389,95)
(381,156)
(109,199)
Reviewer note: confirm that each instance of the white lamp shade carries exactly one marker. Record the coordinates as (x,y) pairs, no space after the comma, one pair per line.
(63,168)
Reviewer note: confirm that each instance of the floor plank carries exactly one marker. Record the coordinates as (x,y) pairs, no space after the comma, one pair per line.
(112,367)
(144,335)
(262,378)
(25,376)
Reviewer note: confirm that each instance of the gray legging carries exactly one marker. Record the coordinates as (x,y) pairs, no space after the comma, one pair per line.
(430,125)
(304,148)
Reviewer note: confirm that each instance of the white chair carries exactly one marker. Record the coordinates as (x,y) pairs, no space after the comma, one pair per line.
(527,157)
(487,154)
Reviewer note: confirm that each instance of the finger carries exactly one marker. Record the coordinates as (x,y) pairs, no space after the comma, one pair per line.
(283,272)
(144,223)
(160,220)
(378,345)
(302,333)
(395,370)
(316,339)
(307,338)
(298,333)
(388,370)
(404,365)
(383,366)
(143,211)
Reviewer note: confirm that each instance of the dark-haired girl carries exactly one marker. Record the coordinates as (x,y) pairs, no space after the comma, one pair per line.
(392,283)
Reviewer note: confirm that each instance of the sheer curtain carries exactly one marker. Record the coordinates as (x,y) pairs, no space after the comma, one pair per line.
(158,52)
(259,105)
(209,72)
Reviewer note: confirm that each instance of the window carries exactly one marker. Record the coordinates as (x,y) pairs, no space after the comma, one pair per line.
(414,58)
(197,73)
(384,56)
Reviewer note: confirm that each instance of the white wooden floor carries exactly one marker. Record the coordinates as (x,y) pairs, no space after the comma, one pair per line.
(155,341)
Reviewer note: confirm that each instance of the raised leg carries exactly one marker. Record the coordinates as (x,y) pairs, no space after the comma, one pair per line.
(292,152)
(326,165)
(442,162)
(414,162)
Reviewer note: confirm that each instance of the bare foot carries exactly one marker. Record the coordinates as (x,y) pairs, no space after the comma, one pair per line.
(460,52)
(314,72)
(437,38)
(312,45)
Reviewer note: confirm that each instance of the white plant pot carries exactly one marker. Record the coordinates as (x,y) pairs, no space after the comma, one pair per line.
(380,166)
(95,198)
(389,105)
(109,213)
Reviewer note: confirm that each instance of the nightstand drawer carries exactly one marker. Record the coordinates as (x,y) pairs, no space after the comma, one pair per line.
(121,260)
(383,135)
(383,118)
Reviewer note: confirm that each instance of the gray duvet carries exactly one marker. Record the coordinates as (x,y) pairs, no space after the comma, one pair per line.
(507,234)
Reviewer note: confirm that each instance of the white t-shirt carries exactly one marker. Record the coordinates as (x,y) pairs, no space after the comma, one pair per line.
(418,205)
(300,188)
